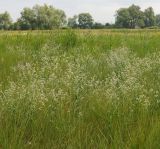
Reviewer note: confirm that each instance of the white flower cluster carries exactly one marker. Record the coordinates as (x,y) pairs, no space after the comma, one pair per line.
(61,77)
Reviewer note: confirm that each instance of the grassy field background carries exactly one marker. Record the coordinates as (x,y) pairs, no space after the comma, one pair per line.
(80,89)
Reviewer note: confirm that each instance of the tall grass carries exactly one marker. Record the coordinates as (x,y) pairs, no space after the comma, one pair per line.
(80,89)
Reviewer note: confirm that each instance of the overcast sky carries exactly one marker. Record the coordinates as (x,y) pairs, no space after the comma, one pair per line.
(102,10)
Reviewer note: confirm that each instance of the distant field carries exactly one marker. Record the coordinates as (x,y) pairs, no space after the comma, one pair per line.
(80,89)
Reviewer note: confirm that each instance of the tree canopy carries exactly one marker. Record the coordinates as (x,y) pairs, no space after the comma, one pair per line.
(158,20)
(5,21)
(47,17)
(131,17)
(85,20)
(134,17)
(150,19)
(73,22)
(41,17)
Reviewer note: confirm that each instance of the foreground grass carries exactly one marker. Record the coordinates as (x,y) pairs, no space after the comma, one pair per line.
(82,89)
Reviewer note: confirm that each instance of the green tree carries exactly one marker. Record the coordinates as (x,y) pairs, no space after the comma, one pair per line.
(49,17)
(85,20)
(150,19)
(41,17)
(107,24)
(98,25)
(73,22)
(122,18)
(131,17)
(15,26)
(158,20)
(136,17)
(5,21)
(28,19)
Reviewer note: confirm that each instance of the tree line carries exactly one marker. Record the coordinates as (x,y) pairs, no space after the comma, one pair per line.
(46,17)
(134,17)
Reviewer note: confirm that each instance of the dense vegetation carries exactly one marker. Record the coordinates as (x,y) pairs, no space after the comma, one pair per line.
(82,89)
(46,17)
(133,17)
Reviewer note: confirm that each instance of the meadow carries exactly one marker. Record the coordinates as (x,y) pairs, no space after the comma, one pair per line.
(80,89)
